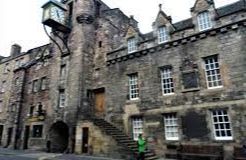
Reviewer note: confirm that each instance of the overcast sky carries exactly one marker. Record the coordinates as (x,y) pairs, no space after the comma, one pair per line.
(20,20)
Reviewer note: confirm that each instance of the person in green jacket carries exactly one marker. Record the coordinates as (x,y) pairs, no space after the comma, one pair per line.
(141,147)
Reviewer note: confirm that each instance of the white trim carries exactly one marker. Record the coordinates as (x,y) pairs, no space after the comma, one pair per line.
(223,138)
(168,94)
(214,87)
(172,138)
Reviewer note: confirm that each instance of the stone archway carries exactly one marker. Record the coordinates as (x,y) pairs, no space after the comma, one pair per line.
(58,137)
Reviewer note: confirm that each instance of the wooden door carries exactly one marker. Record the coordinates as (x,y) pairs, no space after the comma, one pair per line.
(1,134)
(9,136)
(85,139)
(99,102)
(26,137)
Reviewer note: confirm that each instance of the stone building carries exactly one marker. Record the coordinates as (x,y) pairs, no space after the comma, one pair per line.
(183,84)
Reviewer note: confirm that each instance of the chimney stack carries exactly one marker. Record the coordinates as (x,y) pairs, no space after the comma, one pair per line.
(15,50)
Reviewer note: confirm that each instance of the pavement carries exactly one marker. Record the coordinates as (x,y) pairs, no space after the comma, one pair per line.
(9,154)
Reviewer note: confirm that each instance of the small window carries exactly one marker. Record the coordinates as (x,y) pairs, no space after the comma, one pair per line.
(62,99)
(6,68)
(221,125)
(37,131)
(12,107)
(17,81)
(40,109)
(43,83)
(137,127)
(1,106)
(167,81)
(45,62)
(31,111)
(35,86)
(100,44)
(204,21)
(162,34)
(132,45)
(212,71)
(17,63)
(63,72)
(171,127)
(3,86)
(133,86)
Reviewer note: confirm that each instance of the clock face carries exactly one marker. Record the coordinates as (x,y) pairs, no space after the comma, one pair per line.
(46,14)
(57,14)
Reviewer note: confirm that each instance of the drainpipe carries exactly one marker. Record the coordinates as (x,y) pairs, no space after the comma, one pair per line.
(19,109)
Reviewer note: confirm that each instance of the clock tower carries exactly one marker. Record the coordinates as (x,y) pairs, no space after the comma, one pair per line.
(79,61)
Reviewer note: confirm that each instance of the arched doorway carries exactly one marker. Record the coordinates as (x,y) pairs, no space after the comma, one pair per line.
(58,137)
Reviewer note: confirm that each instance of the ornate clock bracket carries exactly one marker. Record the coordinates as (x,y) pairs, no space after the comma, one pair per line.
(56,43)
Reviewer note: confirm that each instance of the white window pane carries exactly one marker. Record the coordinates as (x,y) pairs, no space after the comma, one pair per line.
(171,127)
(222,126)
(204,21)
(167,81)
(212,72)
(137,125)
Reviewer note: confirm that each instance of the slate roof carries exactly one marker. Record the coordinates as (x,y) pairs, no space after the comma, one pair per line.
(183,24)
(231,8)
(148,36)
(222,11)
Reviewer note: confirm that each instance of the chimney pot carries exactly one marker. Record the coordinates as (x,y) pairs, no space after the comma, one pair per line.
(15,50)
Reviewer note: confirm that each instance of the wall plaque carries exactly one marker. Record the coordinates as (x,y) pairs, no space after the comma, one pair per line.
(190,80)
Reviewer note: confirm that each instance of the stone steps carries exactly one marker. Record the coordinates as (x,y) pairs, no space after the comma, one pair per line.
(121,138)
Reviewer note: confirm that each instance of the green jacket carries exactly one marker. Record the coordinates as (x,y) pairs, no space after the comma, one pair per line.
(141,145)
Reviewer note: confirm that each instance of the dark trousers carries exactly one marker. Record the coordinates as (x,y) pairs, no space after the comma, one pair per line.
(141,156)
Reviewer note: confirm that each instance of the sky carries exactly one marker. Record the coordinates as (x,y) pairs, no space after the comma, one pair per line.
(20,20)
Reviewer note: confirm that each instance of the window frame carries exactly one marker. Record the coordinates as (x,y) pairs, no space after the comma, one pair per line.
(221,138)
(132,44)
(216,70)
(43,85)
(169,120)
(17,81)
(35,135)
(35,86)
(166,74)
(62,98)
(31,110)
(1,106)
(133,86)
(162,34)
(6,68)
(63,72)
(3,86)
(204,21)
(137,127)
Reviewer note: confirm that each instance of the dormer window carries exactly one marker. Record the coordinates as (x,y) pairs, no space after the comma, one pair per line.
(204,21)
(132,44)
(162,34)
